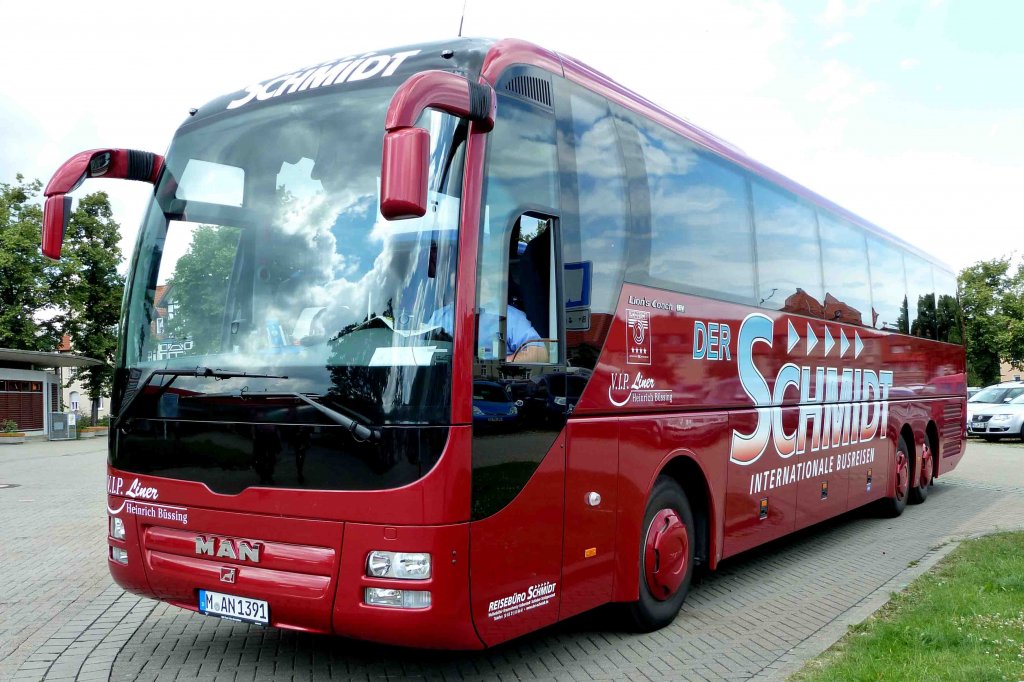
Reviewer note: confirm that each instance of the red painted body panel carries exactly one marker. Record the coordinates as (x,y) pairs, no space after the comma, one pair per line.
(445,624)
(296,574)
(588,554)
(647,445)
(517,550)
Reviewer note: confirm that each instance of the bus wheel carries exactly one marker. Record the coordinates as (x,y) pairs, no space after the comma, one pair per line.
(919,493)
(666,557)
(893,506)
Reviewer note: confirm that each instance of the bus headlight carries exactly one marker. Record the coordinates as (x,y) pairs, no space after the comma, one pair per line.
(400,599)
(119,555)
(116,528)
(402,565)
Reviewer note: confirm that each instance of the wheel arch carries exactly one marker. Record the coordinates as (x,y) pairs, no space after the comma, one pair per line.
(931,435)
(684,468)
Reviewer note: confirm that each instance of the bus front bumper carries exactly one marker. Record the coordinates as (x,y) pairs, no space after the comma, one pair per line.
(312,575)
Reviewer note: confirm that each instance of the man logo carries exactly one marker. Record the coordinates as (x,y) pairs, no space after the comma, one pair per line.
(228,574)
(228,548)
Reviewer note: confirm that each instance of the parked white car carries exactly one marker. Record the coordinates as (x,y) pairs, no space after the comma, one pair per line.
(997,394)
(1001,420)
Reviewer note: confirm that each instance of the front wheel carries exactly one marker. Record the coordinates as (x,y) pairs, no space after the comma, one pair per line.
(666,557)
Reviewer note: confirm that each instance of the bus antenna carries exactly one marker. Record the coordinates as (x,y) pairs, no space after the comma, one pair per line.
(463,17)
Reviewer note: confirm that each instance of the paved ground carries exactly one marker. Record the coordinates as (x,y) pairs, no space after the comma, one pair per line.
(758,617)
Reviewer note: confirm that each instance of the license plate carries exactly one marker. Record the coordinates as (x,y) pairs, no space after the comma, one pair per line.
(494,419)
(231,607)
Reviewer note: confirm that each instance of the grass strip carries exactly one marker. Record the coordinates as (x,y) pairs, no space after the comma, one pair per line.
(963,620)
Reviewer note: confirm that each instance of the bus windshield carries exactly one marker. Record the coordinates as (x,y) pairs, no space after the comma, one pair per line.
(264,252)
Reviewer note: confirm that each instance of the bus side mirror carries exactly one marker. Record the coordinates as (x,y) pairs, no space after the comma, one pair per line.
(123,164)
(405,164)
(404,170)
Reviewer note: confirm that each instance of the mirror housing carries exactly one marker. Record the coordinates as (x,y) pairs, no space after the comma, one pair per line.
(405,162)
(403,175)
(122,164)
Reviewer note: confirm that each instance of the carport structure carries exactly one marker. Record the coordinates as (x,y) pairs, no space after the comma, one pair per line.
(30,386)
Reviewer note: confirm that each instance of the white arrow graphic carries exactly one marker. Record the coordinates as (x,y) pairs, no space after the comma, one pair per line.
(844,343)
(829,341)
(794,338)
(858,345)
(812,340)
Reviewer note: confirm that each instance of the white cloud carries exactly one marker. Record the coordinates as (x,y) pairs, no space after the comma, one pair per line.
(909,63)
(841,88)
(838,12)
(838,39)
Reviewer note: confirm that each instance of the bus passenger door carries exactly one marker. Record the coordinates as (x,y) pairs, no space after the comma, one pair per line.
(588,557)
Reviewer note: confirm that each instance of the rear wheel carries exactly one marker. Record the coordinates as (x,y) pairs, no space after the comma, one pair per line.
(894,506)
(666,557)
(923,478)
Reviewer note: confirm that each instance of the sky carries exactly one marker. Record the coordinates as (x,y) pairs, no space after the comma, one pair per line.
(909,113)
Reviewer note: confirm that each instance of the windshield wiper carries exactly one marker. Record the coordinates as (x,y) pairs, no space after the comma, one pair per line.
(198,372)
(357,428)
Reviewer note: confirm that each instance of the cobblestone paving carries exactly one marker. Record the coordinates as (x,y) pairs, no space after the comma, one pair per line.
(757,617)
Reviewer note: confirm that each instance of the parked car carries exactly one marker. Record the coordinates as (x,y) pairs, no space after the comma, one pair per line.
(554,396)
(493,405)
(998,394)
(1000,420)
(972,391)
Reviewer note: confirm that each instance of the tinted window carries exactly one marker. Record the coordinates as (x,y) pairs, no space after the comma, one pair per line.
(844,254)
(594,226)
(920,297)
(888,287)
(788,254)
(947,307)
(700,219)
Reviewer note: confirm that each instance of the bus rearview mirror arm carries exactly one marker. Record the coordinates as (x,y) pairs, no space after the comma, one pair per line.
(404,164)
(122,164)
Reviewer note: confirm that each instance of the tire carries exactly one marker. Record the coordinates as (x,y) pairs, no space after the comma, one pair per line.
(667,530)
(894,506)
(923,478)
(1022,433)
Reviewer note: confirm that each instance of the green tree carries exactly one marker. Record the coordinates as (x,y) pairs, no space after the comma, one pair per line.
(991,296)
(95,288)
(31,286)
(199,286)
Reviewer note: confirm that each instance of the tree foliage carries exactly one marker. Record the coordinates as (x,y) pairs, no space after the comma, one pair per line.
(992,296)
(94,290)
(31,286)
(199,286)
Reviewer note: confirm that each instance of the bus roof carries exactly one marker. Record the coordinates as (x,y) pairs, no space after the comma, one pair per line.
(475,58)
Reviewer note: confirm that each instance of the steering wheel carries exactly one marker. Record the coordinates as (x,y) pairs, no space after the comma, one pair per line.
(524,344)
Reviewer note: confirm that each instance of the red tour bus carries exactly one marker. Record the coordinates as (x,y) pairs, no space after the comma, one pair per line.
(440,345)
